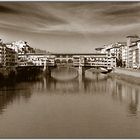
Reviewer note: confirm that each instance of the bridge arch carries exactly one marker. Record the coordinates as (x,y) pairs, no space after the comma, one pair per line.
(57,61)
(70,61)
(63,73)
(96,69)
(64,61)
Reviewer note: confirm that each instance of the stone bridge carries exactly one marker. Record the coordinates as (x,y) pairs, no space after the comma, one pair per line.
(82,62)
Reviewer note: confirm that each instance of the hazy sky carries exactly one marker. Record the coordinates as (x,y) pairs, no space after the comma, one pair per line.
(69,26)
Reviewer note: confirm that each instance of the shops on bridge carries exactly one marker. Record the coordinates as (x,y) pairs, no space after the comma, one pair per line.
(93,59)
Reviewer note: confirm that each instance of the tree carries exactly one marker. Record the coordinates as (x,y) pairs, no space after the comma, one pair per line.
(119,62)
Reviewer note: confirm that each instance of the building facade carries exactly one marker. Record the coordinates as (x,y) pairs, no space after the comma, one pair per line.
(134,55)
(8,57)
(113,50)
(21,47)
(131,44)
(124,55)
(33,59)
(97,60)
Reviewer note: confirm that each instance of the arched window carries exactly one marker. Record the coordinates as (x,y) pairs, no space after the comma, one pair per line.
(57,61)
(70,61)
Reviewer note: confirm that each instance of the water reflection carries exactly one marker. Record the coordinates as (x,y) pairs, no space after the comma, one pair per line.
(64,73)
(119,90)
(83,85)
(89,84)
(126,93)
(105,97)
(14,91)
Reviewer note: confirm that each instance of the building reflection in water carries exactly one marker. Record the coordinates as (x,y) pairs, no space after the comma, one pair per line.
(93,84)
(126,92)
(77,85)
(14,92)
(119,90)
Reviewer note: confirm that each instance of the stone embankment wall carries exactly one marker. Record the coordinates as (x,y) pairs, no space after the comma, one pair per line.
(129,72)
(128,75)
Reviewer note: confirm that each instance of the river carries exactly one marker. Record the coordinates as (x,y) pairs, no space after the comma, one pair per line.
(68,106)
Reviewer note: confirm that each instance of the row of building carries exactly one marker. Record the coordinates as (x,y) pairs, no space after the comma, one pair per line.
(11,54)
(127,53)
(123,54)
(19,53)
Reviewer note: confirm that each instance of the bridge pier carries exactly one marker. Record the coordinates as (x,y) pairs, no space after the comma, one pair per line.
(81,70)
(45,65)
(47,71)
(81,73)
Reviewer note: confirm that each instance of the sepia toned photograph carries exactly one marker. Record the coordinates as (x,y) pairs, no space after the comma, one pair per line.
(69,69)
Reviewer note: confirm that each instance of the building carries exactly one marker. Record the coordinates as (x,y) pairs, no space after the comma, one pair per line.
(134,55)
(131,40)
(22,47)
(34,59)
(124,55)
(97,59)
(1,54)
(114,50)
(8,57)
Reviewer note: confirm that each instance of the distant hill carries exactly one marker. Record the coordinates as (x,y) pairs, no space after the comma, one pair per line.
(39,51)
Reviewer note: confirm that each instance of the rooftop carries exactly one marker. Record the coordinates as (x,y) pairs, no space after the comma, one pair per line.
(135,43)
(132,36)
(63,54)
(100,48)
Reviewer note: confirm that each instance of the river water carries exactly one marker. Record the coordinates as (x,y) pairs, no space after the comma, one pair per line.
(68,106)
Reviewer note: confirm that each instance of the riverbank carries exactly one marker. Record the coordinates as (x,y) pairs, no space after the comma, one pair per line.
(129,75)
(19,73)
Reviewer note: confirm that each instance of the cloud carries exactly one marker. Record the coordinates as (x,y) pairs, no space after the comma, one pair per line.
(26,16)
(69,26)
(4,9)
(70,17)
(122,8)
(121,13)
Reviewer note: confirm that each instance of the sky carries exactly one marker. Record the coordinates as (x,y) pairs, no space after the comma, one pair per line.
(69,26)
